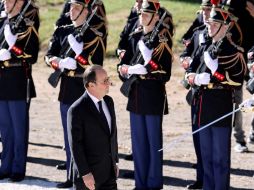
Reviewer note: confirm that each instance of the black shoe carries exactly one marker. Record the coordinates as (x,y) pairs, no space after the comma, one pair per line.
(196,185)
(61,166)
(128,175)
(17,177)
(4,176)
(66,184)
(129,157)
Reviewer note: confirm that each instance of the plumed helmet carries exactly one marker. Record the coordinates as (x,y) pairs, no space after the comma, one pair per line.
(219,13)
(85,3)
(150,6)
(206,3)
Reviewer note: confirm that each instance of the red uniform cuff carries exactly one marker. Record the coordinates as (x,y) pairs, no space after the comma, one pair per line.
(81,60)
(54,65)
(17,50)
(219,76)
(153,65)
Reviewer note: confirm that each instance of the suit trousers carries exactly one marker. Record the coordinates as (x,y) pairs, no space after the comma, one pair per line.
(146,136)
(14,132)
(215,149)
(196,142)
(64,109)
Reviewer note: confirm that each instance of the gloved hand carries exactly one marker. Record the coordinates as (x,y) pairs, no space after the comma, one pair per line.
(137,69)
(145,51)
(212,64)
(9,37)
(247,105)
(4,55)
(75,45)
(123,70)
(202,79)
(67,63)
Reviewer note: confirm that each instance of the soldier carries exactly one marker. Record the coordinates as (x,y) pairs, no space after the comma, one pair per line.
(70,51)
(245,40)
(222,70)
(19,50)
(131,25)
(98,21)
(149,64)
(251,73)
(190,60)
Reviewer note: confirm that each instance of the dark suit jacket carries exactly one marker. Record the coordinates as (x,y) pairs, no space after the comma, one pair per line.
(93,148)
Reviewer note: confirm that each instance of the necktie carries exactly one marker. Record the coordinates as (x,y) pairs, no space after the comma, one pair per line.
(102,114)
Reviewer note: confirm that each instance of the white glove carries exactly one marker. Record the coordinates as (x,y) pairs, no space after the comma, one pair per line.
(75,45)
(145,51)
(137,69)
(67,63)
(9,37)
(247,105)
(4,55)
(212,64)
(202,79)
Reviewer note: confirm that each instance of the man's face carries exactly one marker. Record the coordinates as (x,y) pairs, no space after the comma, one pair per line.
(213,28)
(206,13)
(75,11)
(145,18)
(8,5)
(102,82)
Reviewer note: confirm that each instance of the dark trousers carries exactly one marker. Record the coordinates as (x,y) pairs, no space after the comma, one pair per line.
(64,109)
(110,184)
(215,149)
(14,133)
(196,142)
(146,136)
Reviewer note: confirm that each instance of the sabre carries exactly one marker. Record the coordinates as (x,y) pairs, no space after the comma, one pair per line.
(249,103)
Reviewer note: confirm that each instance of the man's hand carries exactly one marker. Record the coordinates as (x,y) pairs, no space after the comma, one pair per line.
(117,171)
(185,62)
(123,70)
(4,55)
(67,63)
(89,181)
(202,79)
(137,69)
(9,37)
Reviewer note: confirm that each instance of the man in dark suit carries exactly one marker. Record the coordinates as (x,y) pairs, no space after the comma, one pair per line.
(92,134)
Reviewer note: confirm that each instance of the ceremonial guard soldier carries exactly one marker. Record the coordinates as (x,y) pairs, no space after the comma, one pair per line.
(147,64)
(222,70)
(71,49)
(18,51)
(190,60)
(131,25)
(99,20)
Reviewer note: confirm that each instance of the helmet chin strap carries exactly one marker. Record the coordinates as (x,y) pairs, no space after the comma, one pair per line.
(217,31)
(150,20)
(79,14)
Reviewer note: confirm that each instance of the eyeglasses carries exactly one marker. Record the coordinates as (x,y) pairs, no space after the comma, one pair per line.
(107,81)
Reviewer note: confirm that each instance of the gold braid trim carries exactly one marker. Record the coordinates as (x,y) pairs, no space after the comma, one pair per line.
(98,40)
